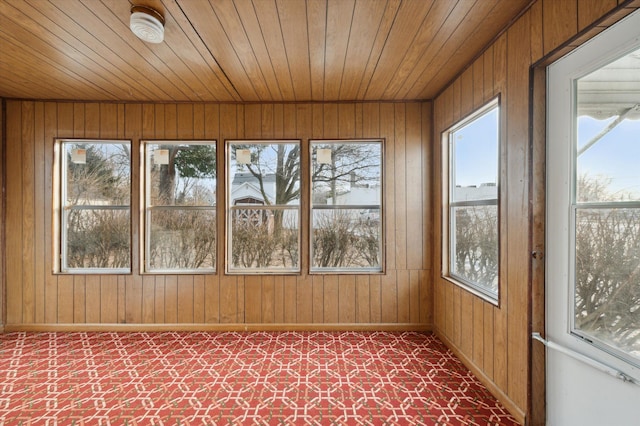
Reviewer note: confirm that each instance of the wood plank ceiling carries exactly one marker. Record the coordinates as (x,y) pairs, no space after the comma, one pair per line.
(244,50)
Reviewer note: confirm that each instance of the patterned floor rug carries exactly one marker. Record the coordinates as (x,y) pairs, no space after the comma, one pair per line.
(291,378)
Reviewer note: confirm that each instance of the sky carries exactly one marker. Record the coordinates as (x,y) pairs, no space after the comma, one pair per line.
(477,151)
(616,156)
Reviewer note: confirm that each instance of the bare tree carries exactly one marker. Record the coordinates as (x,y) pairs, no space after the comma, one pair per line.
(183,238)
(98,237)
(476,245)
(340,240)
(351,164)
(344,236)
(287,176)
(253,245)
(333,241)
(607,281)
(272,238)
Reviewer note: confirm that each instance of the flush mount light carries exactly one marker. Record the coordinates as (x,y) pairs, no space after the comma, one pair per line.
(147,24)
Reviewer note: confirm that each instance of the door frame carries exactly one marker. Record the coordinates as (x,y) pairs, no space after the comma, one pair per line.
(536,412)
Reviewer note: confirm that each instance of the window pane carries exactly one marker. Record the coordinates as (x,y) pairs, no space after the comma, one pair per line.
(473,201)
(607,285)
(181,179)
(182,239)
(264,173)
(349,174)
(95,179)
(475,246)
(265,239)
(97,173)
(607,170)
(608,125)
(263,201)
(606,299)
(346,238)
(346,173)
(98,238)
(475,159)
(181,174)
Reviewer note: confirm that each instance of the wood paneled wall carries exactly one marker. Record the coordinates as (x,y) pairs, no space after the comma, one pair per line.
(495,340)
(400,297)
(2,227)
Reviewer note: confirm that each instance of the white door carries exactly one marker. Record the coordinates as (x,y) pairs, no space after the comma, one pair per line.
(593,231)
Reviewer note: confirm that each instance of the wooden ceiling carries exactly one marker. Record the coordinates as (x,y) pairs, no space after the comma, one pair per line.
(244,50)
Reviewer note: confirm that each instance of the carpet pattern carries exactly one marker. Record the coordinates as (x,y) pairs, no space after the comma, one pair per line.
(318,378)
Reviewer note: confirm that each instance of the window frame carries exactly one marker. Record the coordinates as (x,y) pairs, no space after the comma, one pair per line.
(230,269)
(146,209)
(575,206)
(60,207)
(561,168)
(449,206)
(583,335)
(382,252)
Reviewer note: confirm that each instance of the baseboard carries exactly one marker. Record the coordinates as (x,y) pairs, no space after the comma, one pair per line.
(508,403)
(214,327)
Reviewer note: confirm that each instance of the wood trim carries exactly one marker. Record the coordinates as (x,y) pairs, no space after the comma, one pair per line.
(190,327)
(222,103)
(537,193)
(3,211)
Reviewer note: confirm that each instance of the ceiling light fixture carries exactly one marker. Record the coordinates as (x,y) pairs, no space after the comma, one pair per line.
(147,24)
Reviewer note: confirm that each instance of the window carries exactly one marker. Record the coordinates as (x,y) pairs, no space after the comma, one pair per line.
(180,206)
(346,206)
(93,193)
(263,206)
(471,220)
(606,209)
(592,224)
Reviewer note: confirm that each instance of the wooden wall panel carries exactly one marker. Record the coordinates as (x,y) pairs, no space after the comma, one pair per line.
(28,235)
(2,212)
(49,125)
(515,208)
(560,22)
(13,211)
(493,340)
(590,10)
(414,168)
(36,296)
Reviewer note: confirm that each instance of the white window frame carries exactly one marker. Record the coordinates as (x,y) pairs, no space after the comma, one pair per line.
(61,208)
(379,207)
(230,210)
(448,215)
(561,187)
(145,218)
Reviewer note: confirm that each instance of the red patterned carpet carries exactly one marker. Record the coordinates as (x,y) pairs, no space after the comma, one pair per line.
(238,378)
